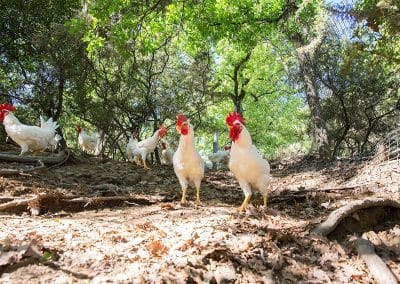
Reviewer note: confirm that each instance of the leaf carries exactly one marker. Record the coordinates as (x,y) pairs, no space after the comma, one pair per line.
(146,226)
(157,248)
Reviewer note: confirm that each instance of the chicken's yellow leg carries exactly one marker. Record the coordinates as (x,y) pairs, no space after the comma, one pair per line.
(145,165)
(198,202)
(183,200)
(244,204)
(265,200)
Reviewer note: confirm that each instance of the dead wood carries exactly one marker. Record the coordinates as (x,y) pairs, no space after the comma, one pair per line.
(304,194)
(56,159)
(375,264)
(13,206)
(336,216)
(12,172)
(55,202)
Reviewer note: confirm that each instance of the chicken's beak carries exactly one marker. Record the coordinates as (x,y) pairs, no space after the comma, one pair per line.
(230,126)
(178,128)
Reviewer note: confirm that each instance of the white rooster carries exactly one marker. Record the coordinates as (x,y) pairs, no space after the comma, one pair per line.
(28,137)
(247,165)
(147,146)
(188,164)
(90,143)
(132,143)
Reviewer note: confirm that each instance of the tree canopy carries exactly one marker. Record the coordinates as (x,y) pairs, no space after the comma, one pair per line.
(321,76)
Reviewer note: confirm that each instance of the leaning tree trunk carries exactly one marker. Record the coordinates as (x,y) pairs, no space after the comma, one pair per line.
(320,134)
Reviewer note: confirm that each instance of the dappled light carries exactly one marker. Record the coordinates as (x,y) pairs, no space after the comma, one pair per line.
(199,141)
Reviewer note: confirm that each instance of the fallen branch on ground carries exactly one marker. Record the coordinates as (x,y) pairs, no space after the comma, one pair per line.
(12,172)
(336,216)
(56,159)
(55,202)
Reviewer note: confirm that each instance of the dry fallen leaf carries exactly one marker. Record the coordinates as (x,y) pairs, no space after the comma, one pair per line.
(146,226)
(167,206)
(156,248)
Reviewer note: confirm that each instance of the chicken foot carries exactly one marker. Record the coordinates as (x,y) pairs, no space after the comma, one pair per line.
(183,200)
(145,165)
(184,194)
(246,201)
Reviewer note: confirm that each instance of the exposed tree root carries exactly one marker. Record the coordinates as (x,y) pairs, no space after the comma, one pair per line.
(378,269)
(60,157)
(56,161)
(339,214)
(12,172)
(56,202)
(375,264)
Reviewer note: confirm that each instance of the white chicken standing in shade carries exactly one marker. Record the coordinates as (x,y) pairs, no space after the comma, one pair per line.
(28,137)
(247,165)
(220,157)
(188,164)
(166,152)
(147,146)
(90,143)
(131,146)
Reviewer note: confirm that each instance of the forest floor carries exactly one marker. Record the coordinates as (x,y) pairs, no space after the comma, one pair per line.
(102,221)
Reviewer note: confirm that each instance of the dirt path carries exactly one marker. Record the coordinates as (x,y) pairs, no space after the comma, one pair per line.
(152,239)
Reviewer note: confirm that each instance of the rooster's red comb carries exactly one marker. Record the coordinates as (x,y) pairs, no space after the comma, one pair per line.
(232,116)
(8,107)
(180,118)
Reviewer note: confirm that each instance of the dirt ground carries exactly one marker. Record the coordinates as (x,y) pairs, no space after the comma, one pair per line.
(102,221)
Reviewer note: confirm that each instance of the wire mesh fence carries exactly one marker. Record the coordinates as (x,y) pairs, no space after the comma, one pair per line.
(393,145)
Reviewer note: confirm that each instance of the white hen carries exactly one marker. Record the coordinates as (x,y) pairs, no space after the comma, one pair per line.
(90,143)
(166,152)
(28,137)
(188,164)
(131,146)
(147,146)
(220,157)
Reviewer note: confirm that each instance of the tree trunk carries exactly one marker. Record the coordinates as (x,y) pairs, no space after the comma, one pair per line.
(320,134)
(239,92)
(238,106)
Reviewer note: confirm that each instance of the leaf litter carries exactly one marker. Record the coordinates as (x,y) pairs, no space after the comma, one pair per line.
(162,242)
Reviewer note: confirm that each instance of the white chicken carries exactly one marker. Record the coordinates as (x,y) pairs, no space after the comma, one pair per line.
(166,152)
(147,146)
(221,157)
(247,165)
(90,143)
(28,137)
(188,164)
(132,143)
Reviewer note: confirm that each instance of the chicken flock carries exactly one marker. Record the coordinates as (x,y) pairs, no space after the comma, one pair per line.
(250,169)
